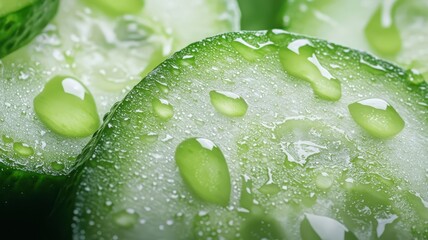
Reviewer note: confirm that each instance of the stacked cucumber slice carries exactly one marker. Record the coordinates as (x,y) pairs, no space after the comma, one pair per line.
(55,90)
(226,140)
(243,135)
(392,29)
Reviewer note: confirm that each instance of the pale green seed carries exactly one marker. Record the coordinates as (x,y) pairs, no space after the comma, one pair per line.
(126,218)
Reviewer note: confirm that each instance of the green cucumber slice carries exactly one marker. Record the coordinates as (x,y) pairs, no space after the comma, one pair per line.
(393,29)
(296,161)
(22,20)
(54,91)
(261,15)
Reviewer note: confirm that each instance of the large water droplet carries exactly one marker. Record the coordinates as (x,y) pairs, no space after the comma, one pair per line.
(67,107)
(382,32)
(23,149)
(163,109)
(126,218)
(204,170)
(377,117)
(320,227)
(228,104)
(250,52)
(299,60)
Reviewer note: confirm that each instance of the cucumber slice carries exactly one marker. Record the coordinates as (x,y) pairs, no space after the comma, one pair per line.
(393,29)
(290,164)
(261,15)
(22,20)
(54,91)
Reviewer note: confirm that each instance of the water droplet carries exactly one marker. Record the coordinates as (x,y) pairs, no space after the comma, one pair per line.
(414,76)
(126,218)
(7,139)
(382,32)
(250,52)
(57,166)
(246,198)
(163,109)
(269,188)
(163,87)
(127,29)
(23,149)
(382,222)
(228,103)
(149,137)
(187,60)
(320,227)
(377,117)
(372,67)
(67,107)
(299,60)
(204,169)
(324,181)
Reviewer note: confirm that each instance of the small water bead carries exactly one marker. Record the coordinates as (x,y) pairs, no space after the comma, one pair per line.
(382,32)
(163,109)
(250,52)
(7,139)
(114,7)
(67,107)
(324,181)
(377,117)
(23,149)
(228,103)
(57,166)
(204,170)
(149,137)
(299,60)
(128,29)
(126,218)
(321,227)
(372,68)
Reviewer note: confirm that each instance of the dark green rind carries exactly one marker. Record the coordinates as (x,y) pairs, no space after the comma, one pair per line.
(20,27)
(25,202)
(73,200)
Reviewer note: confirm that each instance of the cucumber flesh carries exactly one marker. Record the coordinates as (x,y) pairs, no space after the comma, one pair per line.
(393,29)
(297,162)
(54,92)
(22,20)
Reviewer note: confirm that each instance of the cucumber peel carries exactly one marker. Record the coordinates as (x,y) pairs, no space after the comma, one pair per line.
(392,29)
(296,160)
(22,20)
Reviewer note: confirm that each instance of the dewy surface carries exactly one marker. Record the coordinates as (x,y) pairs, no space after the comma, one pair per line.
(392,29)
(103,51)
(296,161)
